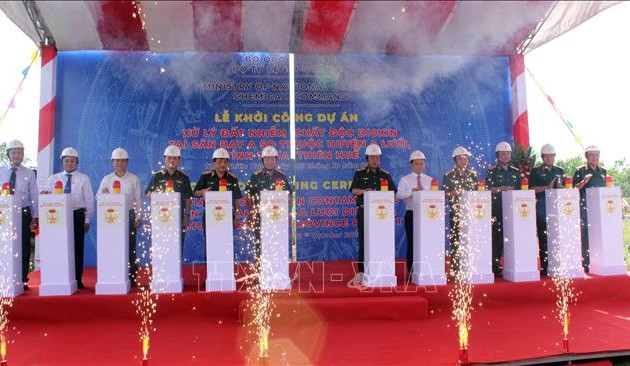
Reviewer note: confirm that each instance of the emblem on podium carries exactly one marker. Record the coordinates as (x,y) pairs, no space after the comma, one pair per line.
(218,213)
(275,213)
(478,211)
(111,216)
(52,216)
(610,207)
(567,208)
(432,211)
(165,214)
(523,211)
(3,217)
(381,212)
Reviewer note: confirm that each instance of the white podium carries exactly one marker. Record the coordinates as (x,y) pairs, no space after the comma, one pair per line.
(380,235)
(56,238)
(10,247)
(475,237)
(564,242)
(166,249)
(112,243)
(428,238)
(219,242)
(520,251)
(605,231)
(274,240)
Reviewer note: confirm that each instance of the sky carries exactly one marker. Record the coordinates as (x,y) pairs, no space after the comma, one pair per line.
(585,71)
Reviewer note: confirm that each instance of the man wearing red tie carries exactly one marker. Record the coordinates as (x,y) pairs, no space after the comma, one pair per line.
(414,181)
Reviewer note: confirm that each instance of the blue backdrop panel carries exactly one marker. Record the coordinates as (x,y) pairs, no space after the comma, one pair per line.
(143,102)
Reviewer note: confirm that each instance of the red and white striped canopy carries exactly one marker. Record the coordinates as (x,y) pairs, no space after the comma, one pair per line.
(325,27)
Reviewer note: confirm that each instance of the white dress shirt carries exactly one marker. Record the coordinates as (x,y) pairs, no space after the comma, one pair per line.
(25,186)
(81,195)
(408,183)
(129,183)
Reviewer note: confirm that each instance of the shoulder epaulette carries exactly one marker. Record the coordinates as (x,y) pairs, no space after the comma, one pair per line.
(183,172)
(385,171)
(211,172)
(514,168)
(231,175)
(280,172)
(362,169)
(258,172)
(581,167)
(493,167)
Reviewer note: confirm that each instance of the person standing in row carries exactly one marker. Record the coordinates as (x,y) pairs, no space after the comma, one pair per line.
(454,183)
(79,187)
(364,180)
(501,177)
(544,177)
(129,184)
(22,183)
(587,176)
(180,183)
(412,182)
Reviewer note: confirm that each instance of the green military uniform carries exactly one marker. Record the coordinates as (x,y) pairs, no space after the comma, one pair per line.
(454,180)
(210,180)
(542,176)
(367,178)
(597,180)
(499,176)
(263,180)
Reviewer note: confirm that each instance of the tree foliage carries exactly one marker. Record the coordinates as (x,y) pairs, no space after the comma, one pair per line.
(620,171)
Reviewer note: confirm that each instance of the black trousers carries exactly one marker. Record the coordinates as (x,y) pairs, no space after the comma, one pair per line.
(79,243)
(26,242)
(497,240)
(360,226)
(541,231)
(453,223)
(133,266)
(409,233)
(586,257)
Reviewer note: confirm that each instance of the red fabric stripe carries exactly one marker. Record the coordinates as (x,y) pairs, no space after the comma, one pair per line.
(326,26)
(48,54)
(117,27)
(217,25)
(517,67)
(425,20)
(521,130)
(46,125)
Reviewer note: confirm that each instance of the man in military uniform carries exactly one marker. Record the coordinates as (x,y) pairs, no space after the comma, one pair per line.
(543,177)
(265,179)
(454,183)
(210,180)
(368,179)
(590,175)
(22,183)
(501,177)
(181,184)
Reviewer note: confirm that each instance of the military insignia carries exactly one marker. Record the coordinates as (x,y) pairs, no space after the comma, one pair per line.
(165,215)
(523,211)
(432,211)
(3,217)
(52,216)
(111,216)
(218,213)
(610,206)
(478,211)
(274,212)
(567,208)
(381,212)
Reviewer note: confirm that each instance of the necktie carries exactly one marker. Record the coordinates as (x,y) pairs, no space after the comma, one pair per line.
(419,182)
(12,180)
(68,187)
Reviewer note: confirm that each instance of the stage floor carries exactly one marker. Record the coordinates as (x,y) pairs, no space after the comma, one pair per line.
(324,320)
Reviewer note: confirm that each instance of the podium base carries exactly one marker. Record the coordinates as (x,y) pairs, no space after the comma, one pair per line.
(275,283)
(481,278)
(430,279)
(113,288)
(58,289)
(571,273)
(167,287)
(379,281)
(513,276)
(616,270)
(213,285)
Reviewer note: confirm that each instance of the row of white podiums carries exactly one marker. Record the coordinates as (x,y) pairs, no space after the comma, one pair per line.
(520,246)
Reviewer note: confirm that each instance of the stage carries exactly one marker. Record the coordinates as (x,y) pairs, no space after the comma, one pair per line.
(325,320)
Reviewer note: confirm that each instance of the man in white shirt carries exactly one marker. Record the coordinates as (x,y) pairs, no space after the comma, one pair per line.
(414,181)
(22,183)
(82,200)
(129,183)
